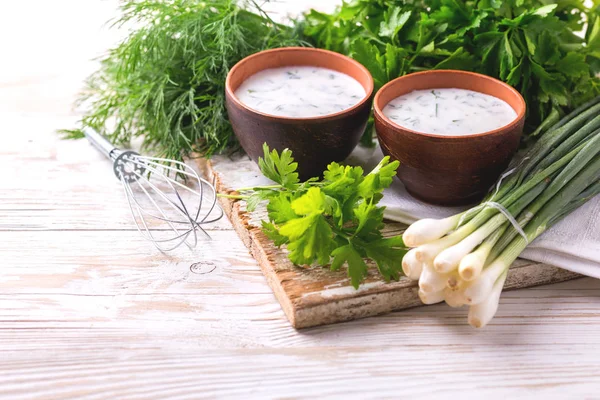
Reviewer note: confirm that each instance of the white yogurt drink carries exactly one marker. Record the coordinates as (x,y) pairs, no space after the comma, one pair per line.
(300,91)
(449,111)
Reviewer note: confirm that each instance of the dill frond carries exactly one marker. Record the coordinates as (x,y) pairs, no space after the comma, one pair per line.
(166,79)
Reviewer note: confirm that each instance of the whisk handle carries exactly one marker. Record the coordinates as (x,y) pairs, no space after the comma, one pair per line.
(99,142)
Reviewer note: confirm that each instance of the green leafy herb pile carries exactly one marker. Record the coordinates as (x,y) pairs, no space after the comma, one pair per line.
(166,80)
(530,44)
(332,221)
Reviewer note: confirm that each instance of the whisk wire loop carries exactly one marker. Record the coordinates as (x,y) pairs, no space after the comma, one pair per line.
(155,194)
(156,161)
(164,217)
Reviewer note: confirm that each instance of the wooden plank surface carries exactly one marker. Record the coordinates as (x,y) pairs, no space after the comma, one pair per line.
(312,296)
(89,310)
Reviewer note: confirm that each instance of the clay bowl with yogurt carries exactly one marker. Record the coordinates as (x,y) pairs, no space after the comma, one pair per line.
(314,102)
(454,132)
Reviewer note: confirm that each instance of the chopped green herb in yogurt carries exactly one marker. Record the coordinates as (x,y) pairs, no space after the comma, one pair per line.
(300,91)
(449,111)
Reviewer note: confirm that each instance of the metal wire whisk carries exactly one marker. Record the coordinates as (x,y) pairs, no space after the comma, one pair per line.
(155,196)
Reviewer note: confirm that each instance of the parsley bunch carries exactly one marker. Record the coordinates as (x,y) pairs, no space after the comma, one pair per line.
(530,44)
(333,221)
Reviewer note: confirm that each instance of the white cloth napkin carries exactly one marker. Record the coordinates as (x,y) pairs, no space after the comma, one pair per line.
(572,244)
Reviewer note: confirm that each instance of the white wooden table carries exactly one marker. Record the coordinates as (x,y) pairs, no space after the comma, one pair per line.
(90,310)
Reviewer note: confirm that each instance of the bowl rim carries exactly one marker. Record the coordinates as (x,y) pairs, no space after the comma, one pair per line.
(369,93)
(378,112)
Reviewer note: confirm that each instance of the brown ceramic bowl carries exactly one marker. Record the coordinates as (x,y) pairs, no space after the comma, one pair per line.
(444,169)
(314,141)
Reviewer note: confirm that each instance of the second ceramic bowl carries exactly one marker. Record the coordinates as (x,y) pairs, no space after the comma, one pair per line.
(447,169)
(314,141)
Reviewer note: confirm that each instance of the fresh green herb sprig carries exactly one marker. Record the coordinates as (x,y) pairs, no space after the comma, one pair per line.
(166,80)
(333,221)
(530,44)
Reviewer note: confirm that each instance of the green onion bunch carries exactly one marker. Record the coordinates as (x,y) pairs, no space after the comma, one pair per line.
(464,259)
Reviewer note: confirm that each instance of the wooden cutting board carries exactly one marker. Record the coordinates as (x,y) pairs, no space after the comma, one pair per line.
(317,296)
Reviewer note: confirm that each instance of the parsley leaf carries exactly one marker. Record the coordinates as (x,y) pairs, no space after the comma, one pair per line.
(547,51)
(369,219)
(369,56)
(395,61)
(554,90)
(378,179)
(386,253)
(273,233)
(279,168)
(573,64)
(514,77)
(342,181)
(357,268)
(311,202)
(255,198)
(310,238)
(280,208)
(394,20)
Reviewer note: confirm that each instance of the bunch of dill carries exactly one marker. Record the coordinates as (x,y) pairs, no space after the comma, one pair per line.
(166,79)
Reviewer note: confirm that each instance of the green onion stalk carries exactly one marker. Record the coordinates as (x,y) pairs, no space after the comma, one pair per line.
(464,259)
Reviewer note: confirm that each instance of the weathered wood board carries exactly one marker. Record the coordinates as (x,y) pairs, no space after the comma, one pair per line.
(316,296)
